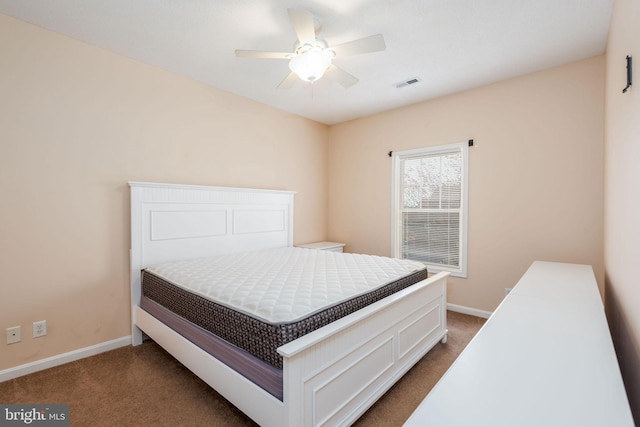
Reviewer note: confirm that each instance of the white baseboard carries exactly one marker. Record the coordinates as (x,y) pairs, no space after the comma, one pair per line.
(61,359)
(468,310)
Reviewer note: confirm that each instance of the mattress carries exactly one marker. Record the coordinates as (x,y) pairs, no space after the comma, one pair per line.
(259,301)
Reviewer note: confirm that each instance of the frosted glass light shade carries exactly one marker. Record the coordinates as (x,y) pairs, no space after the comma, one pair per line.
(312,64)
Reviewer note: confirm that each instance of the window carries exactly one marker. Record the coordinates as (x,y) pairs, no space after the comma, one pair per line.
(430,207)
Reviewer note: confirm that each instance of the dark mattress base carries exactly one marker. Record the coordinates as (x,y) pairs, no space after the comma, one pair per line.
(266,376)
(248,333)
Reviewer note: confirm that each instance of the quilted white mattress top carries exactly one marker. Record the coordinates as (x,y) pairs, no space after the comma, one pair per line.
(285,284)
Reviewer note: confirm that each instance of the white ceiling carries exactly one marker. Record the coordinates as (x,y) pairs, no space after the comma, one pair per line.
(449,45)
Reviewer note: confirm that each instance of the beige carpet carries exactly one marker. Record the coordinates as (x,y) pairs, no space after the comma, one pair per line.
(145,386)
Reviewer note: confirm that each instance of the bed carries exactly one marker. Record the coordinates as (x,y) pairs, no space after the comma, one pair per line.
(329,375)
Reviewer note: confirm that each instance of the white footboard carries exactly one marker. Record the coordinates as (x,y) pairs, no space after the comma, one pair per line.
(335,373)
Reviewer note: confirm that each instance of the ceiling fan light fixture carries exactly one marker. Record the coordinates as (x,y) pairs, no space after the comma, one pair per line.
(311,62)
(312,57)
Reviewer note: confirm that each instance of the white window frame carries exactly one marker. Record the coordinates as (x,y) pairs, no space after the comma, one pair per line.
(396,211)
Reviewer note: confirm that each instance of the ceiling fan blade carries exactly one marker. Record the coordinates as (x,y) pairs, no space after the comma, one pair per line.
(341,76)
(303,25)
(364,45)
(261,54)
(288,81)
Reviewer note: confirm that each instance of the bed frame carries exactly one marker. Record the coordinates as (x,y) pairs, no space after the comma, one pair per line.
(330,376)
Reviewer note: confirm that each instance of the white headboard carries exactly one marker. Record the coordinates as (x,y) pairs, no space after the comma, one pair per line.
(173,222)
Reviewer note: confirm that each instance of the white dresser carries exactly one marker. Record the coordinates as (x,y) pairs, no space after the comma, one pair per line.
(544,358)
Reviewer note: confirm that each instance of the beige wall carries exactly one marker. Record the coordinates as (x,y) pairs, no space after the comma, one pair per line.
(77,123)
(536,172)
(622,194)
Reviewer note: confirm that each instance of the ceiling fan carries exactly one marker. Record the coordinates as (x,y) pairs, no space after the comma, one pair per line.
(312,56)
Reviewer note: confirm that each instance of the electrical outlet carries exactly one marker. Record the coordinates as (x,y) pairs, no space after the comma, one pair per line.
(39,328)
(13,335)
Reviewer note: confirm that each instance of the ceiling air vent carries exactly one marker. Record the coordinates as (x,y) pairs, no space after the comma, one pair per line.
(407,82)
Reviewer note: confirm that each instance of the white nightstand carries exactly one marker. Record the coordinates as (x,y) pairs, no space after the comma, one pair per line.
(324,246)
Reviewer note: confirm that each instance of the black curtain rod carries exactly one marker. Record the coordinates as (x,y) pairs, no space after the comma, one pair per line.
(470,145)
